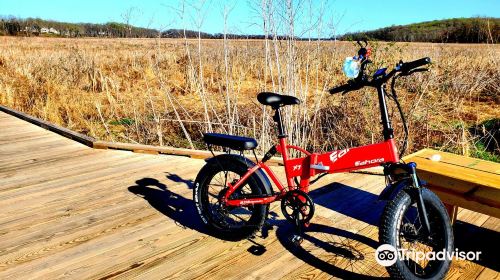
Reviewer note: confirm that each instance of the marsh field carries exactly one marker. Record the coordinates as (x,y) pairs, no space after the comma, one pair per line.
(169,91)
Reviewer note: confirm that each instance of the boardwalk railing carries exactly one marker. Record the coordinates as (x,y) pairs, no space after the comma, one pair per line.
(98,144)
(78,137)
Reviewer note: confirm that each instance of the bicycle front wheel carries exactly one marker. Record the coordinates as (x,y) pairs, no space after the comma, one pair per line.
(402,228)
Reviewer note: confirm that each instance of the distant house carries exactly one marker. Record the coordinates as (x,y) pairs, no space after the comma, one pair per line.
(29,29)
(53,31)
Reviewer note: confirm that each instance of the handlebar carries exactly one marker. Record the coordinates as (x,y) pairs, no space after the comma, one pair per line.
(405,68)
(408,66)
(341,88)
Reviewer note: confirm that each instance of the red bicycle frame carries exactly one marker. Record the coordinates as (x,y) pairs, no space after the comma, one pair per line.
(313,164)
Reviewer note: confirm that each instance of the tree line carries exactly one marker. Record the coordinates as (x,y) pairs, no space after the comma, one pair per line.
(35,27)
(457,30)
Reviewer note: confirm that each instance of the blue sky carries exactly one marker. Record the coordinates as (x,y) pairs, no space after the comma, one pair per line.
(243,19)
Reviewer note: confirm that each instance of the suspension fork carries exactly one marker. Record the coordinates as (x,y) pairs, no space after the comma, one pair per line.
(420,200)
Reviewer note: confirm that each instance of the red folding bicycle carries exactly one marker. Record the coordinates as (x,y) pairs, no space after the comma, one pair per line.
(232,193)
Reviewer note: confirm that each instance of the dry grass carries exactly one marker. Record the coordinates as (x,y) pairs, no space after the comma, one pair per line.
(168,92)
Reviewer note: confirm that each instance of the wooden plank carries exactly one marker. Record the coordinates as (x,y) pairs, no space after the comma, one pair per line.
(460,161)
(457,177)
(16,163)
(87,254)
(118,160)
(99,210)
(473,218)
(488,274)
(80,192)
(492,224)
(86,140)
(27,137)
(456,170)
(33,144)
(65,167)
(479,204)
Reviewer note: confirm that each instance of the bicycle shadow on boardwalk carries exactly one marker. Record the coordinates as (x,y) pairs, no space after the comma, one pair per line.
(178,179)
(170,204)
(338,252)
(365,206)
(349,201)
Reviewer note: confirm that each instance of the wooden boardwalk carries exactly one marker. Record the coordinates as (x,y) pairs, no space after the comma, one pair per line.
(69,211)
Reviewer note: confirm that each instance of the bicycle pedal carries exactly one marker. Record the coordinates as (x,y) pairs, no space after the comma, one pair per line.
(296,240)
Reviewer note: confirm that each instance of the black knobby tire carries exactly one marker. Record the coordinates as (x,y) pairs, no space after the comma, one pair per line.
(234,223)
(400,227)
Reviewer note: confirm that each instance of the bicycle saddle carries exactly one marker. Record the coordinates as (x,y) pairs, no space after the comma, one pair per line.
(276,100)
(234,142)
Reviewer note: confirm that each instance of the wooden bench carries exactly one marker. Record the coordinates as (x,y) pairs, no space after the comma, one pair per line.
(460,181)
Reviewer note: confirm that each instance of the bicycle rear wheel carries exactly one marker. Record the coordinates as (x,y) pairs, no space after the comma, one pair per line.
(225,221)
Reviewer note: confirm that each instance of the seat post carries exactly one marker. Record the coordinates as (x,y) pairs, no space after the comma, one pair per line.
(279,122)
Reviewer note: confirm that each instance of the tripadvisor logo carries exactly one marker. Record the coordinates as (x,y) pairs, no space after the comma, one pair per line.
(387,255)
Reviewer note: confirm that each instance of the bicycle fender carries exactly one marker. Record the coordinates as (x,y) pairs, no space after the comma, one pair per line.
(260,176)
(392,190)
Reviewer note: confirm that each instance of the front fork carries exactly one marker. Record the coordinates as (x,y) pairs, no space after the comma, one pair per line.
(422,212)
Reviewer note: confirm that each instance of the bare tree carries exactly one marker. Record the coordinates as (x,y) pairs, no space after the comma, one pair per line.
(127,17)
(201,11)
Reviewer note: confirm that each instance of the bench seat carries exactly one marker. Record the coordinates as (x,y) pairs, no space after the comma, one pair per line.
(460,181)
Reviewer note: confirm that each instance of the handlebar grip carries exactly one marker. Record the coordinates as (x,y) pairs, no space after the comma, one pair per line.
(407,66)
(341,88)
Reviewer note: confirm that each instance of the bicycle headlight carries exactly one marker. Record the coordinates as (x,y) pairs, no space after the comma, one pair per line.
(351,67)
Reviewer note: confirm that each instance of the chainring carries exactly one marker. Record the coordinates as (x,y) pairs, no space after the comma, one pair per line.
(297,202)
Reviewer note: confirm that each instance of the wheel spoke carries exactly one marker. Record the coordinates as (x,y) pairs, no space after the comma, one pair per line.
(226,216)
(412,238)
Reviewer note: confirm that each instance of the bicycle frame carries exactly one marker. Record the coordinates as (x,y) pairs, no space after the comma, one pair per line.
(313,164)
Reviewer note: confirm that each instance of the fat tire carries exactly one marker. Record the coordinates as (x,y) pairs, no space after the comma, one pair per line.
(259,212)
(388,233)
